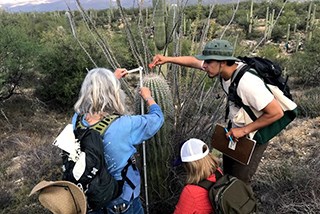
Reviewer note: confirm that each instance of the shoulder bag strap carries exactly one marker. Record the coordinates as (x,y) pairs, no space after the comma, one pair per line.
(232,93)
(206,184)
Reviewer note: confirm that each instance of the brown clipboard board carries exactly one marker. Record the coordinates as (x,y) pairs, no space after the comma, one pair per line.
(243,150)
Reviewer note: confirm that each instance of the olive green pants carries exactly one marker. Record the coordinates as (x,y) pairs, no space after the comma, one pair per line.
(244,172)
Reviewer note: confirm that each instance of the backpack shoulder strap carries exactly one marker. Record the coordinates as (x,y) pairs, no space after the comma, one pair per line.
(100,126)
(232,94)
(237,99)
(206,184)
(103,125)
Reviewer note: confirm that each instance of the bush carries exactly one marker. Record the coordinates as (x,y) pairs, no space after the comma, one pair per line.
(63,66)
(308,102)
(306,65)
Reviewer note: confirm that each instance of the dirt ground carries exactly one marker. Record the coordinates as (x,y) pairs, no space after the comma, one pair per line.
(297,141)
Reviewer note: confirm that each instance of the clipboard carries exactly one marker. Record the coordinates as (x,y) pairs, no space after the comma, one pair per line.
(243,149)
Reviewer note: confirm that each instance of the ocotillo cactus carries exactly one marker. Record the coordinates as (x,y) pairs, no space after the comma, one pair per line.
(158,149)
(159,23)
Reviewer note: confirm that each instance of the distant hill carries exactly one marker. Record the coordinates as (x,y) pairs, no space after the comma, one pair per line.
(59,5)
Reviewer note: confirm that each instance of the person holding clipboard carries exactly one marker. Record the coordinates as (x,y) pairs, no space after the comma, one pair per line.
(217,60)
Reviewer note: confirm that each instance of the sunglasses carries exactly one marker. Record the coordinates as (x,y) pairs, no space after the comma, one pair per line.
(208,61)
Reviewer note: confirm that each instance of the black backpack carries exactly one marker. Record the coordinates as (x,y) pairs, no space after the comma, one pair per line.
(97,183)
(229,195)
(269,71)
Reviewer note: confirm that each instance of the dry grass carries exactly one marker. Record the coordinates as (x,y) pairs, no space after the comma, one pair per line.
(308,102)
(288,178)
(26,153)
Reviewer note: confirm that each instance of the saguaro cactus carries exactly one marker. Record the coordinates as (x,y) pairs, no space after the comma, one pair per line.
(251,18)
(159,23)
(159,151)
(171,22)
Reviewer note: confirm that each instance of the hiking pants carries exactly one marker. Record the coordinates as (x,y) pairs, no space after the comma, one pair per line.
(244,172)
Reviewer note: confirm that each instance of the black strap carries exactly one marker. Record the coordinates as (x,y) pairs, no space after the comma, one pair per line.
(124,171)
(206,184)
(234,97)
(232,93)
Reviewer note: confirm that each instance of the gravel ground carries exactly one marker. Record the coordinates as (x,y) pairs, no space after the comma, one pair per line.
(297,141)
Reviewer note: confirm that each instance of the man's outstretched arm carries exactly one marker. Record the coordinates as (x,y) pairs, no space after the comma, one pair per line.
(187,61)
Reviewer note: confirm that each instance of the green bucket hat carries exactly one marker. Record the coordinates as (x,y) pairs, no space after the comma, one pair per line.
(217,50)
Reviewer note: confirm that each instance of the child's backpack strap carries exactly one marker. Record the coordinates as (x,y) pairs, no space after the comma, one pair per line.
(206,184)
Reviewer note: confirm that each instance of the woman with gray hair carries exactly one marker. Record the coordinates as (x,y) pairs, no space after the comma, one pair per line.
(101,96)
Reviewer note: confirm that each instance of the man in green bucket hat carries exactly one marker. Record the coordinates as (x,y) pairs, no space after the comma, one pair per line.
(217,60)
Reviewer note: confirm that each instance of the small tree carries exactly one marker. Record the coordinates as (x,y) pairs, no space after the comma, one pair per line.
(16,59)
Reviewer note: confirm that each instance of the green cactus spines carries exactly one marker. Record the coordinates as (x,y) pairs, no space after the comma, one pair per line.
(159,24)
(160,92)
(158,148)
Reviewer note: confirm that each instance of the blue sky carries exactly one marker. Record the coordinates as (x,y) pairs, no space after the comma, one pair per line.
(48,5)
(51,5)
(13,3)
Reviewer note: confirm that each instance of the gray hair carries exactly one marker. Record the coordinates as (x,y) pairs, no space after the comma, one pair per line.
(100,93)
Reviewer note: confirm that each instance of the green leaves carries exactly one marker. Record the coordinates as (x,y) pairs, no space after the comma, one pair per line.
(16,58)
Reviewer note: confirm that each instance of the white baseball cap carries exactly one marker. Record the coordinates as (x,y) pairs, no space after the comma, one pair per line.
(193,149)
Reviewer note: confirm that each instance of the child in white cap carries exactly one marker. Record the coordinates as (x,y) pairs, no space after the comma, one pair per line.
(200,164)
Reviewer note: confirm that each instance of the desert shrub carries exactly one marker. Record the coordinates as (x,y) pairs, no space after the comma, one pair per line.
(33,162)
(62,65)
(306,65)
(269,51)
(308,102)
(16,59)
